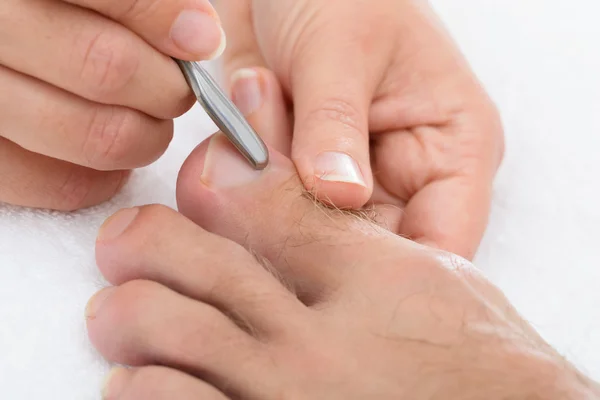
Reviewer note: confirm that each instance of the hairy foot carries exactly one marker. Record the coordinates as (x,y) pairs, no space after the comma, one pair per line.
(259,292)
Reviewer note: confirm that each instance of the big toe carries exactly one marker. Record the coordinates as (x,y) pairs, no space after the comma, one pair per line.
(268,211)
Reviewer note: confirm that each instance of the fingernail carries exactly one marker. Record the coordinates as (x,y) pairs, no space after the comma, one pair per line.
(199,34)
(117,224)
(338,167)
(246,90)
(114,383)
(222,45)
(224,166)
(95,303)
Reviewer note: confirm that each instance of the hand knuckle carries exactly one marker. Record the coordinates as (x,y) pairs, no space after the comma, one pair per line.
(108,140)
(135,10)
(339,111)
(110,60)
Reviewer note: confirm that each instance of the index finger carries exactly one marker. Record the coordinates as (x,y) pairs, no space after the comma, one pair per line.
(185,29)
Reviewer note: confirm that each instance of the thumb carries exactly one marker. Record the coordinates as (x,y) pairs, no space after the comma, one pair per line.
(332,94)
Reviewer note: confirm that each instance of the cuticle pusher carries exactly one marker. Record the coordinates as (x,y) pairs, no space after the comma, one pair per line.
(225,114)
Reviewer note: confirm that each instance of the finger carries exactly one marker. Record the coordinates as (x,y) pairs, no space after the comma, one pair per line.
(258,95)
(447,194)
(332,89)
(47,120)
(255,90)
(156,383)
(156,243)
(450,214)
(242,48)
(32,180)
(90,56)
(143,322)
(185,29)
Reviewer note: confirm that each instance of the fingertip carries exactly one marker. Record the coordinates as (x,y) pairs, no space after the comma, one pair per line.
(196,35)
(336,179)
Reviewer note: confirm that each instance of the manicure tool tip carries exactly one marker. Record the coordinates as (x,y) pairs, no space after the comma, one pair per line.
(225,114)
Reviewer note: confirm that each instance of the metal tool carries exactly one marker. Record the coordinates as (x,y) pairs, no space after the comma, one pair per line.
(225,114)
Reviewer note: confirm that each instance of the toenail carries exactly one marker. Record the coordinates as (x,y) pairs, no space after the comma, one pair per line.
(95,303)
(246,90)
(114,383)
(224,166)
(338,167)
(117,224)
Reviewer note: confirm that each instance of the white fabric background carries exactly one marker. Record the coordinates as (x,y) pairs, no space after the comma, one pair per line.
(540,61)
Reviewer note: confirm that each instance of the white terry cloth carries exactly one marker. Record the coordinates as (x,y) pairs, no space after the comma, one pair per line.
(541,63)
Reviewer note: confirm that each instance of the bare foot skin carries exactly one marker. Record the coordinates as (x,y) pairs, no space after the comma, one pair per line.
(332,307)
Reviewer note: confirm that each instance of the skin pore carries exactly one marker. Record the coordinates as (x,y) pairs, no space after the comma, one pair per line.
(361,313)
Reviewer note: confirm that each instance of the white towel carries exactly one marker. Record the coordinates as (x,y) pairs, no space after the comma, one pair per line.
(541,63)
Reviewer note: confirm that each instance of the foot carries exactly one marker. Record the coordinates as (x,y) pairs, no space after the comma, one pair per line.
(259,292)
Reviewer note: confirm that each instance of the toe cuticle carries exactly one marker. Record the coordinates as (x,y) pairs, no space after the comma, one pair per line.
(224,166)
(114,383)
(117,224)
(96,302)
